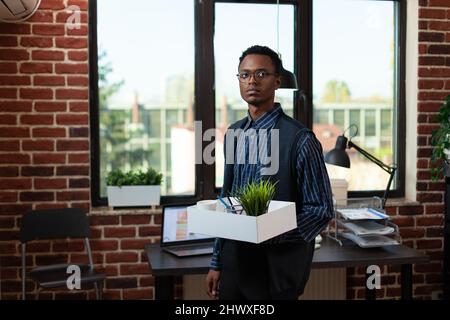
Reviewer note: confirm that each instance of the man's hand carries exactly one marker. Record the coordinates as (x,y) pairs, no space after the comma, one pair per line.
(212,283)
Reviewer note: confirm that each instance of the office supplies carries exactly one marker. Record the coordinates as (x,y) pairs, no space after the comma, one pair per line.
(362,213)
(370,241)
(226,205)
(369,227)
(231,208)
(364,222)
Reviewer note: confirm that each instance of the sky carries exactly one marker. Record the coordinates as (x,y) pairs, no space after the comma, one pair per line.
(154,40)
(353,43)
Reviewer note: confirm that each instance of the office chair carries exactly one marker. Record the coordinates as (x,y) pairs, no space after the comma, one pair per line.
(58,224)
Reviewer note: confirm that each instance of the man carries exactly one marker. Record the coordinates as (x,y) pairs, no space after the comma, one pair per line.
(277,268)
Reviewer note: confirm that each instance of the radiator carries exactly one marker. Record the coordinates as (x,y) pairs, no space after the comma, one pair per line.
(323,284)
(326,284)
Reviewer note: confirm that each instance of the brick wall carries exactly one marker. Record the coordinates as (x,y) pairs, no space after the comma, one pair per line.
(433,86)
(44,156)
(119,244)
(421,226)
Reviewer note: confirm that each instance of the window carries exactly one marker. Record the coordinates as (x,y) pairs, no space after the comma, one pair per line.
(356,67)
(144,87)
(178,66)
(229,42)
(339,119)
(355,118)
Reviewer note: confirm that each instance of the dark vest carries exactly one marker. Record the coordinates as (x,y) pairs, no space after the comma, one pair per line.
(286,187)
(289,265)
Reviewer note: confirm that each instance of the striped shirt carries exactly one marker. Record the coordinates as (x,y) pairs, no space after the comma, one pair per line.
(312,180)
(249,170)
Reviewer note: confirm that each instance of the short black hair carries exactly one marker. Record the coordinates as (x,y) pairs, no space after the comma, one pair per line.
(256,49)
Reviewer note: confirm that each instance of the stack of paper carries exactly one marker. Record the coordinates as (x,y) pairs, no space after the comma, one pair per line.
(367,227)
(370,241)
(362,214)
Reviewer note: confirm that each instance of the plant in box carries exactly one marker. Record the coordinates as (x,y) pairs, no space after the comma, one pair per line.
(134,188)
(264,218)
(255,197)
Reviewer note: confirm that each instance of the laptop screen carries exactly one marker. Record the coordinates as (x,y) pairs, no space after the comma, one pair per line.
(174,227)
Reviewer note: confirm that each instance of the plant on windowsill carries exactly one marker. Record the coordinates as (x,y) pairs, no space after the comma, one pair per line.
(440,140)
(255,197)
(135,188)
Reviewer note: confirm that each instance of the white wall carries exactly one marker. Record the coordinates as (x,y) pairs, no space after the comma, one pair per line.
(412,57)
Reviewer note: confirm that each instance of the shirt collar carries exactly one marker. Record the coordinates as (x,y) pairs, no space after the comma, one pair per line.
(266,119)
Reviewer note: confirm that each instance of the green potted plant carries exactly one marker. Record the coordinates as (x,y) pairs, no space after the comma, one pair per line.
(255,197)
(440,155)
(134,188)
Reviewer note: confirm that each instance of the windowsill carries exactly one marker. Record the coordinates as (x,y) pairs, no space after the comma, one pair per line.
(110,211)
(401,202)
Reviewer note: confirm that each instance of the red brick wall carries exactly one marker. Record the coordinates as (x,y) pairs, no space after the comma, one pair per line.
(44,156)
(44,153)
(433,86)
(422,225)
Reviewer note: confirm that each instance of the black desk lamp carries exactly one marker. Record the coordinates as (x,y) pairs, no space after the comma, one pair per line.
(339,157)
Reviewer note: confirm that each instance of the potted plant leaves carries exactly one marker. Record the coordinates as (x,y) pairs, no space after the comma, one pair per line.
(255,197)
(440,140)
(134,188)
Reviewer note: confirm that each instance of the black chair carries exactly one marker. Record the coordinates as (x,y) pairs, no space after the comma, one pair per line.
(58,224)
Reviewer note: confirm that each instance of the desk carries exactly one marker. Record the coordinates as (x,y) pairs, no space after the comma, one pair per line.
(165,266)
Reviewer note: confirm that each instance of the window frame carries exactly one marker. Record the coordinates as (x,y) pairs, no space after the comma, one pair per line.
(399,130)
(204,11)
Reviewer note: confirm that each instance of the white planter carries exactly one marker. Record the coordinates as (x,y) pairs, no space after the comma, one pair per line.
(133,196)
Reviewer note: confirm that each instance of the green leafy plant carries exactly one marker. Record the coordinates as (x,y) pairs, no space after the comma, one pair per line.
(138,177)
(440,141)
(256,196)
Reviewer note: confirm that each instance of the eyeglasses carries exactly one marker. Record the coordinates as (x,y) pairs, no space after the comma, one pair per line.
(257,75)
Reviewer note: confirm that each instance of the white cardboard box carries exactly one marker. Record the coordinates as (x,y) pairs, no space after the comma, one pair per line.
(280,218)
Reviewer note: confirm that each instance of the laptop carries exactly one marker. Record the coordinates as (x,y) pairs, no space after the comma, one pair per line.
(175,238)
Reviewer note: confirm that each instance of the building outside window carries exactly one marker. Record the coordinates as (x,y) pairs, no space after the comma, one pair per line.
(148,91)
(355,67)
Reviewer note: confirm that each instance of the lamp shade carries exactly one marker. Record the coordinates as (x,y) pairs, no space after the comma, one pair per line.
(338,156)
(288,80)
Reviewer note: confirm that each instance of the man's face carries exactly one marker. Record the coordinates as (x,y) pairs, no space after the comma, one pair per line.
(257,91)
